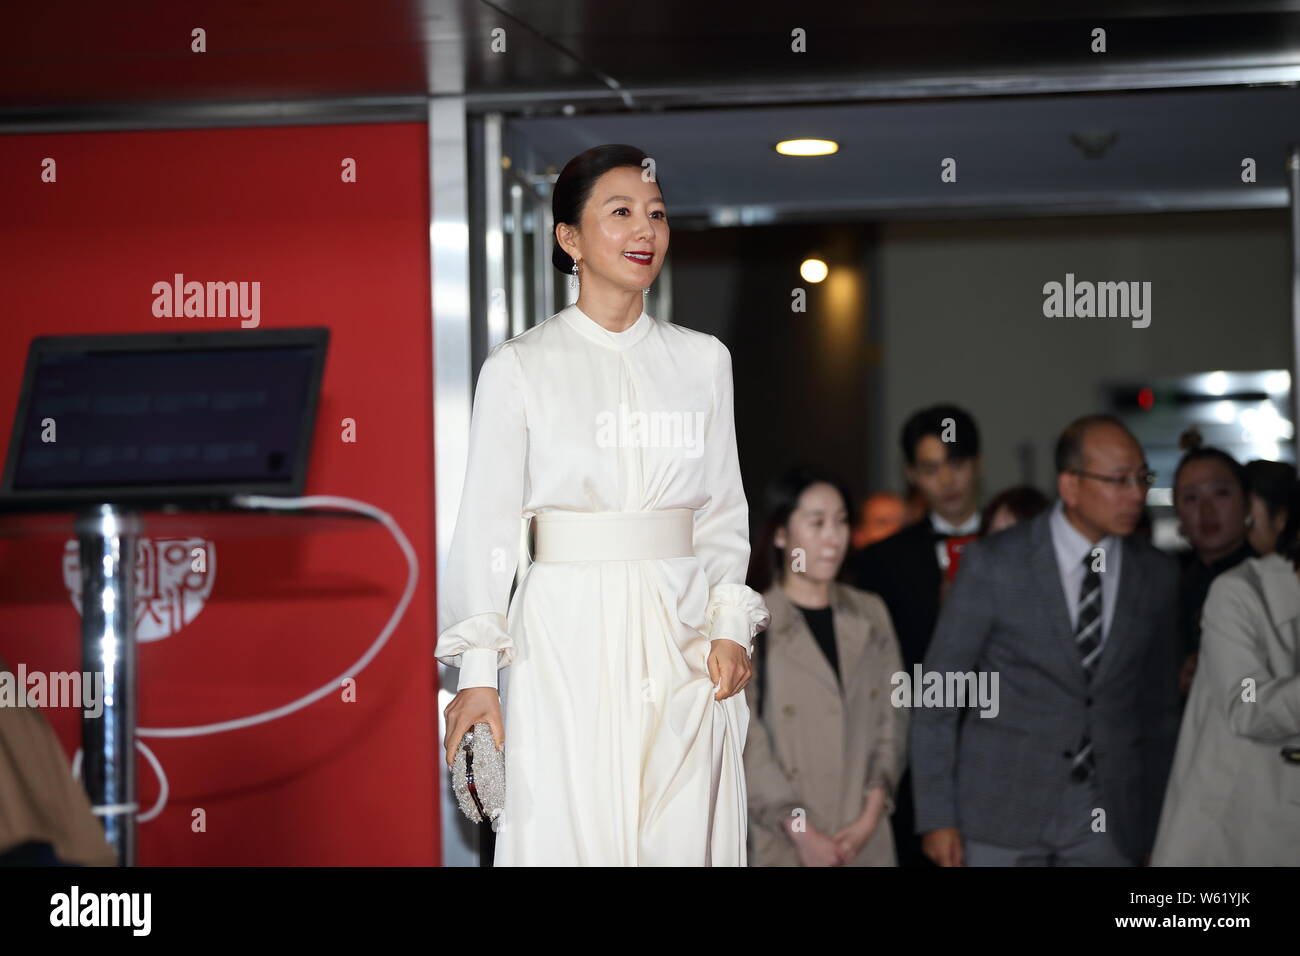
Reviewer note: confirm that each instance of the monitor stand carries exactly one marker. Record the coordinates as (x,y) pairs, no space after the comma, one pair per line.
(107,537)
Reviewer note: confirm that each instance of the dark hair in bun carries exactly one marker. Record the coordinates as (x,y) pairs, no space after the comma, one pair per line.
(1190,442)
(1191,439)
(573,188)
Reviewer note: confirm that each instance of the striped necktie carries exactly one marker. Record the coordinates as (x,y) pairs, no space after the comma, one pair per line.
(1087,636)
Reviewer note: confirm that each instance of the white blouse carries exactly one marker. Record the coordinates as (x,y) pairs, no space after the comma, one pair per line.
(553,412)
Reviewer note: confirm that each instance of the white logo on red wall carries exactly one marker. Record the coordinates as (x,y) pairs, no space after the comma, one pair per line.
(169,593)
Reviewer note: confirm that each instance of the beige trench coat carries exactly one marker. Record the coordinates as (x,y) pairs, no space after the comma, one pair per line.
(817,747)
(40,800)
(1233,798)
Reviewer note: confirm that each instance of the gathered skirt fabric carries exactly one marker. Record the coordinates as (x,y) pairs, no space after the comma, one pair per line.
(617,753)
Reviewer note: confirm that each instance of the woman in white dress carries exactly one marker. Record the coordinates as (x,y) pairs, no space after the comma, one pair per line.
(630,634)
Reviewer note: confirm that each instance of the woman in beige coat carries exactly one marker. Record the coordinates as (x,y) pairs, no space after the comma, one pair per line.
(825,747)
(1233,797)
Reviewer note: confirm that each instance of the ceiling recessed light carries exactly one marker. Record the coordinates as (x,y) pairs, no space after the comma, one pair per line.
(813,270)
(807,147)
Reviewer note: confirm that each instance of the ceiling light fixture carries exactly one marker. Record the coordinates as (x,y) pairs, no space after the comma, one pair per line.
(813,270)
(807,147)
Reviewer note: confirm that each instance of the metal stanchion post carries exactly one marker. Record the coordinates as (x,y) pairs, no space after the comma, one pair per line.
(107,537)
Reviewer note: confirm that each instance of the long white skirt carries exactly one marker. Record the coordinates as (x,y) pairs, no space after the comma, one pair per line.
(616,752)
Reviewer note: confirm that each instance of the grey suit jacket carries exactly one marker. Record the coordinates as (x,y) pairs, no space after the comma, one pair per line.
(999,779)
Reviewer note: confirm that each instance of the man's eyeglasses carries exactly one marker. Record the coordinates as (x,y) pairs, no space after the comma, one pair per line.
(1143,479)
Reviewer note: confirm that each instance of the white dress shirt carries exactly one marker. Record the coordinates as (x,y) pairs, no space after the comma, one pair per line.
(1071,546)
(970,526)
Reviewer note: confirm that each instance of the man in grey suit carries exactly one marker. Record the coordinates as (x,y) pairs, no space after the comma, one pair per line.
(1078,620)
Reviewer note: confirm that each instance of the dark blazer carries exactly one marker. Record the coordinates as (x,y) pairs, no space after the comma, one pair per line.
(999,779)
(904,570)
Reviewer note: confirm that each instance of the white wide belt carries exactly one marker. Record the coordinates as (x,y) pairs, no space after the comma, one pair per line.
(613,535)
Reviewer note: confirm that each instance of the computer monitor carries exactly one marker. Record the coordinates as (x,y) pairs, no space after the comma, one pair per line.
(176,416)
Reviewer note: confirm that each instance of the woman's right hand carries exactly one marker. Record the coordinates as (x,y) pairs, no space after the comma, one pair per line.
(467,708)
(816,848)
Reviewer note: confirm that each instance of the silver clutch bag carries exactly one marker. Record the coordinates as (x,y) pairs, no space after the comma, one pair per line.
(478,775)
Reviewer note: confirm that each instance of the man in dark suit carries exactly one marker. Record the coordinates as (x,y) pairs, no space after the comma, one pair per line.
(1077,618)
(909,570)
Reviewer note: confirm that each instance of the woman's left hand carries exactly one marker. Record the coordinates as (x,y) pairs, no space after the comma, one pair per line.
(728,667)
(853,838)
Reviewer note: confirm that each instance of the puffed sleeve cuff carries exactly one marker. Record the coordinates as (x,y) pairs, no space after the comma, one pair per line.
(736,613)
(478,645)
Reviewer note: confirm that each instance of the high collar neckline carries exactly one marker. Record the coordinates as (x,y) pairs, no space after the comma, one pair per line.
(1217,567)
(590,329)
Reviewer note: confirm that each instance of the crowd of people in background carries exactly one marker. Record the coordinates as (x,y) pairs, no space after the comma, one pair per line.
(1147,705)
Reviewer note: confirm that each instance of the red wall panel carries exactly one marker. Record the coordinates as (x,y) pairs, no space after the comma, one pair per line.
(338,783)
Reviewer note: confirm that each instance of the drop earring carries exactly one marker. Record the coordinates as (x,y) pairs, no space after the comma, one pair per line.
(573,276)
(645,293)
